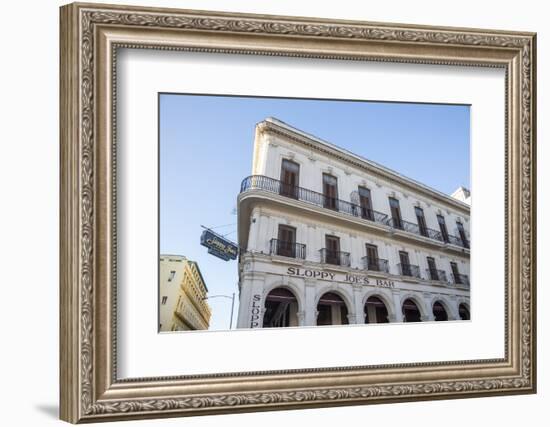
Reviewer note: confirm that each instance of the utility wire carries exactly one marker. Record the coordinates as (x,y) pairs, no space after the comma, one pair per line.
(221,226)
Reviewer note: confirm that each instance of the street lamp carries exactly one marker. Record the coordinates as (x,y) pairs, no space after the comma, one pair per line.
(232,298)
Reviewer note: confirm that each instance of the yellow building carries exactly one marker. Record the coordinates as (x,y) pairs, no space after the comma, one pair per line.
(182,295)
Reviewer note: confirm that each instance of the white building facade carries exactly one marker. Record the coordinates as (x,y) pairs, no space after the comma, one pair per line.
(330,238)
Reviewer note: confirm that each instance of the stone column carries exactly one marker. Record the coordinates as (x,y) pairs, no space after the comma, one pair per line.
(301,318)
(427,317)
(453,309)
(359,315)
(310,317)
(245,296)
(426,301)
(397,316)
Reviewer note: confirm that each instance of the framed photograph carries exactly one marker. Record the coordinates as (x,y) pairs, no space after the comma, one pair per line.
(266,212)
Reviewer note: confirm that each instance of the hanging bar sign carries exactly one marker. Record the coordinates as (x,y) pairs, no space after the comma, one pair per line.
(219,246)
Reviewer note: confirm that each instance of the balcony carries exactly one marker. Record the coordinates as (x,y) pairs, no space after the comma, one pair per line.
(335,257)
(438,275)
(454,240)
(275,186)
(461,280)
(265,183)
(371,215)
(409,270)
(287,249)
(411,227)
(375,264)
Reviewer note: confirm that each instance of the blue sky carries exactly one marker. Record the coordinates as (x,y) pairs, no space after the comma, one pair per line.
(206,150)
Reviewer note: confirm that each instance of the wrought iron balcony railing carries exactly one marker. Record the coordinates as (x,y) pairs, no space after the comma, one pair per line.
(461,279)
(371,215)
(455,240)
(411,227)
(335,257)
(434,274)
(409,270)
(271,185)
(287,249)
(375,264)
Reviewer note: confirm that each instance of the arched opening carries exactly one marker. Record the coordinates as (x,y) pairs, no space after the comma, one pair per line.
(440,314)
(464,311)
(281,308)
(332,310)
(411,313)
(375,311)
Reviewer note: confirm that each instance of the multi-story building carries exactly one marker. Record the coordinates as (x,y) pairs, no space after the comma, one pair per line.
(328,238)
(182,295)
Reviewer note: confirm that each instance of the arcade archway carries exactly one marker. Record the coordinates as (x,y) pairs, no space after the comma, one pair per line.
(281,308)
(464,311)
(376,311)
(439,312)
(411,312)
(332,310)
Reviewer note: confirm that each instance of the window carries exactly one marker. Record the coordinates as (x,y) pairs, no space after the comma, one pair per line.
(456,274)
(332,250)
(171,276)
(286,241)
(443,228)
(462,234)
(365,204)
(421,221)
(405,263)
(164,299)
(395,213)
(330,191)
(432,268)
(290,173)
(372,257)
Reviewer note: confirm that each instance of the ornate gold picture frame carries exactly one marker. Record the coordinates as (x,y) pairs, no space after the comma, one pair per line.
(90,37)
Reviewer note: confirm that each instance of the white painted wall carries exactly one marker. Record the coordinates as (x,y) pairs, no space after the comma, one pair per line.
(312,234)
(272,149)
(264,273)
